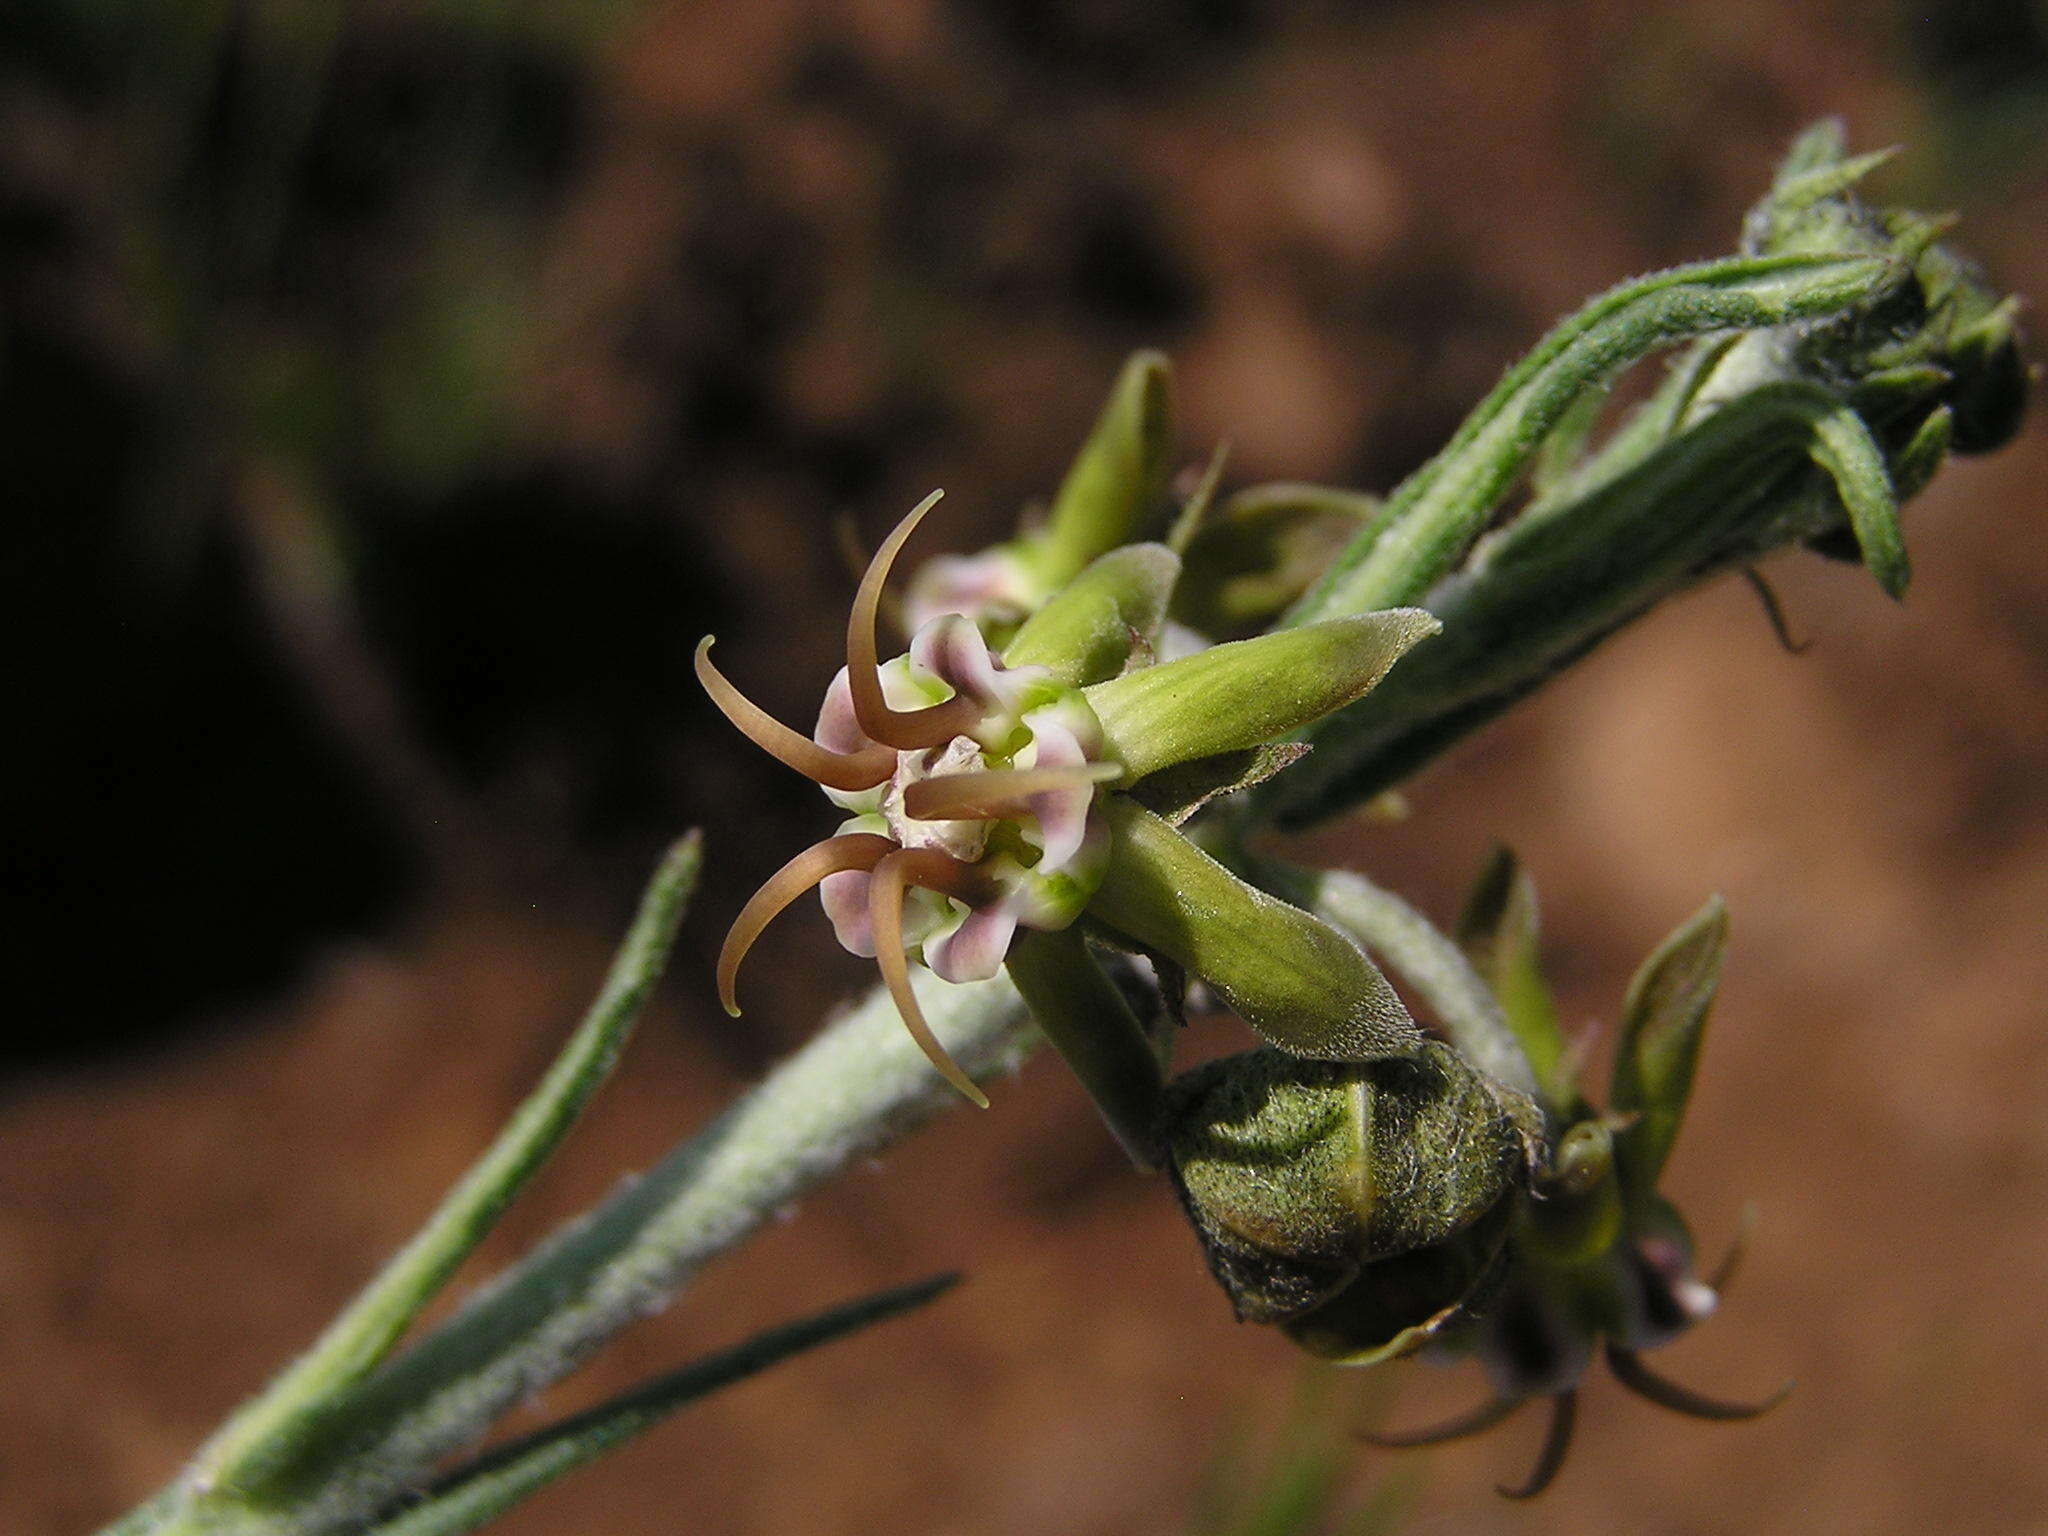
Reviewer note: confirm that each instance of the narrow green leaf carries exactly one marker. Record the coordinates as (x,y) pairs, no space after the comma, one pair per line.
(1500,929)
(1299,983)
(474,1495)
(856,1088)
(1923,453)
(1083,1015)
(1663,1022)
(1843,446)
(1088,630)
(1238,695)
(1543,591)
(266,1432)
(1109,494)
(1438,510)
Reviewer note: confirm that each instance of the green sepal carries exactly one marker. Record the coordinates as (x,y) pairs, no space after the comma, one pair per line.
(1500,931)
(1194,512)
(1238,695)
(1663,1022)
(1299,983)
(1084,1016)
(1819,144)
(1827,178)
(1842,445)
(1088,631)
(1116,480)
(1924,452)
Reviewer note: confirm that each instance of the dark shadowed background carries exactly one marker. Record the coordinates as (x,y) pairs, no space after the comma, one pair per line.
(390,396)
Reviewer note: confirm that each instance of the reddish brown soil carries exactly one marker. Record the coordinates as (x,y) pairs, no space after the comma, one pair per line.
(1877,1081)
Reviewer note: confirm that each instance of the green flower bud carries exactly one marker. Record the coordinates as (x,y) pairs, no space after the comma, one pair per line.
(1235,696)
(1361,1207)
(1096,625)
(1117,478)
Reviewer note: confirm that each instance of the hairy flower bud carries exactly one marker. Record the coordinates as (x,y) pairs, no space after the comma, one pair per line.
(1362,1207)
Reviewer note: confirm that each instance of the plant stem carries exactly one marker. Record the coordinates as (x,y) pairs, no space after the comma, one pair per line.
(1085,1017)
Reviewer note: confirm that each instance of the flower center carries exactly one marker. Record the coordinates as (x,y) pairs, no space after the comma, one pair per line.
(964,840)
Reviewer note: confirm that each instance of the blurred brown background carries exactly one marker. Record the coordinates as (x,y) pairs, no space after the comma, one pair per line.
(392,395)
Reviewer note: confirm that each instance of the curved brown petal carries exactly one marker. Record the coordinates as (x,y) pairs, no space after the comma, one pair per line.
(999,793)
(885,905)
(1630,1371)
(1557,1440)
(852,850)
(1484,1417)
(835,770)
(906,731)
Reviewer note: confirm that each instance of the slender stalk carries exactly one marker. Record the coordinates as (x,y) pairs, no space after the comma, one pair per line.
(1081,1012)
